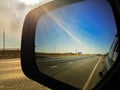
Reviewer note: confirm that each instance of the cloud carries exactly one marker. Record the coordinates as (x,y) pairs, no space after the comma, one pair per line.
(12,13)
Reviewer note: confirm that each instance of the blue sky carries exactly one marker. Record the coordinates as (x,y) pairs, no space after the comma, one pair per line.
(87,27)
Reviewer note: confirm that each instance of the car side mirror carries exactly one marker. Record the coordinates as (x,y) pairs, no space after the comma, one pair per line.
(64,42)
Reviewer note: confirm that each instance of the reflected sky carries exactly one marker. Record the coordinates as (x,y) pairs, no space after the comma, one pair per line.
(87,27)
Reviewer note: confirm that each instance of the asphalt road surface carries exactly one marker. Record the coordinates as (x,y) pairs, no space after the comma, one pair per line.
(12,78)
(78,71)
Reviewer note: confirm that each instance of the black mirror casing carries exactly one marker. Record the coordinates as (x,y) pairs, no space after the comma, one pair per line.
(28,62)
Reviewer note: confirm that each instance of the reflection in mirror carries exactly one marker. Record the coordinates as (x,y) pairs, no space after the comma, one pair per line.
(77,44)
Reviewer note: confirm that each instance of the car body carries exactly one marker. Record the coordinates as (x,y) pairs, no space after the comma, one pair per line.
(113,53)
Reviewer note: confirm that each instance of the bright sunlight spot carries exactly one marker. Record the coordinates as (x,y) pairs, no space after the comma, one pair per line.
(32,2)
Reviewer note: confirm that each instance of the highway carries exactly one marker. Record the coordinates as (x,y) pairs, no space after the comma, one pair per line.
(12,77)
(78,71)
(75,70)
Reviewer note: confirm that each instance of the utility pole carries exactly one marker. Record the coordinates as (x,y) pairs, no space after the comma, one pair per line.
(3,40)
(55,49)
(76,51)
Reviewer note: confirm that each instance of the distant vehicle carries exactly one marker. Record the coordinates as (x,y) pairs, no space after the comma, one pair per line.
(79,52)
(113,53)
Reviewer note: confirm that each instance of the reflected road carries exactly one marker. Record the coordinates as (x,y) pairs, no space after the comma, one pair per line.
(73,70)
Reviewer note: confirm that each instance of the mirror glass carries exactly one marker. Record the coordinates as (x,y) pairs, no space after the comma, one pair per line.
(77,44)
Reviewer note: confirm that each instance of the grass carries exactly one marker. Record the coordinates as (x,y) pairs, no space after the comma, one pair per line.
(9,54)
(46,55)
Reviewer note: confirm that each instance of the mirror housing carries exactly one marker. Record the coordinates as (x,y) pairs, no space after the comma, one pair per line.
(28,62)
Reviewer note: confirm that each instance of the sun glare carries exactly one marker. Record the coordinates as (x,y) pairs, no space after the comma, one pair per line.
(32,2)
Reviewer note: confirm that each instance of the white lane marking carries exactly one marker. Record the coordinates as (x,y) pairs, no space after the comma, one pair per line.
(91,75)
(47,60)
(70,62)
(54,66)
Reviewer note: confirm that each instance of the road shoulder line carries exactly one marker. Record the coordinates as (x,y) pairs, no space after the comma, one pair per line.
(91,75)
